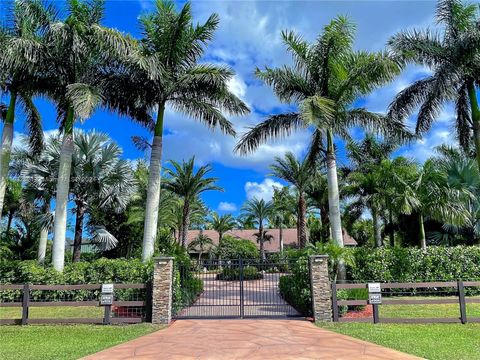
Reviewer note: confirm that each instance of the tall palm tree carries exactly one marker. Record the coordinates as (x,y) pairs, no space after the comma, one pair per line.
(259,210)
(222,224)
(453,58)
(200,243)
(299,174)
(188,184)
(22,43)
(80,50)
(166,73)
(100,180)
(317,197)
(282,215)
(325,80)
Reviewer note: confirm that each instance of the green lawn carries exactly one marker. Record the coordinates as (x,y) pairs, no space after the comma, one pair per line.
(427,310)
(53,312)
(42,342)
(430,341)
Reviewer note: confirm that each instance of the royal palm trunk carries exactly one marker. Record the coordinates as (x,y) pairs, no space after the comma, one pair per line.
(376,227)
(42,243)
(6,149)
(302,226)
(392,233)
(260,240)
(280,236)
(423,239)
(475,118)
(153,189)
(61,200)
(185,222)
(333,193)
(77,242)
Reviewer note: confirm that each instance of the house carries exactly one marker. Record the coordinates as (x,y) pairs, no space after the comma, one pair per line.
(87,246)
(289,238)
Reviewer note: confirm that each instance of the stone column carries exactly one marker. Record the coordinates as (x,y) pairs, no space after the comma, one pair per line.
(321,288)
(162,290)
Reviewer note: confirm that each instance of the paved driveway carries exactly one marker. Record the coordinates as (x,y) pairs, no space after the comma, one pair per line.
(246,339)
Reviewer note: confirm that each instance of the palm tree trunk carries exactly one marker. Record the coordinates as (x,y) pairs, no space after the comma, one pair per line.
(302,210)
(42,243)
(475,118)
(280,236)
(423,239)
(185,222)
(325,224)
(260,240)
(6,149)
(376,227)
(220,237)
(153,188)
(392,231)
(61,201)
(77,242)
(9,221)
(333,193)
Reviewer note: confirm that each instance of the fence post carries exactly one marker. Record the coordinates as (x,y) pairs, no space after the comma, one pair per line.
(376,317)
(320,288)
(106,314)
(25,303)
(461,298)
(334,302)
(162,290)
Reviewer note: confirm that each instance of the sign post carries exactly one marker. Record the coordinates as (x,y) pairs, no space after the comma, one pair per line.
(106,300)
(375,299)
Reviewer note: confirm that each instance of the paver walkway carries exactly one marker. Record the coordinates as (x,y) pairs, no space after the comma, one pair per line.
(246,339)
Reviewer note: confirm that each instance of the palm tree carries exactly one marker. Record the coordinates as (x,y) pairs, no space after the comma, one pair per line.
(299,174)
(259,210)
(22,43)
(167,72)
(100,180)
(222,224)
(80,50)
(188,185)
(453,61)
(200,243)
(325,80)
(317,197)
(282,215)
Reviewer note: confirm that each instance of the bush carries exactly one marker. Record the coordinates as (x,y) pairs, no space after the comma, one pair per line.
(249,273)
(232,248)
(295,288)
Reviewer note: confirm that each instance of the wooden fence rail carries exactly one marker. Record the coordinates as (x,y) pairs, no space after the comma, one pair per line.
(27,303)
(456,286)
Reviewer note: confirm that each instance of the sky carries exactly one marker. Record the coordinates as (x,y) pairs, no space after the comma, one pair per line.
(248,37)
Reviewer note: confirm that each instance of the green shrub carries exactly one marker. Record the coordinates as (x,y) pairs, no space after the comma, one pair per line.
(295,288)
(249,273)
(232,248)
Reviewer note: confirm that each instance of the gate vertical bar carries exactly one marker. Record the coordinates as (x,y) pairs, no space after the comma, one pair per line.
(242,309)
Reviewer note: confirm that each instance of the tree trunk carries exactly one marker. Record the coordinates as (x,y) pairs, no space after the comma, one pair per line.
(475,118)
(392,232)
(185,222)
(153,189)
(61,200)
(77,242)
(9,221)
(6,149)
(42,243)
(220,237)
(325,224)
(280,236)
(376,227)
(333,193)
(423,239)
(302,210)
(260,240)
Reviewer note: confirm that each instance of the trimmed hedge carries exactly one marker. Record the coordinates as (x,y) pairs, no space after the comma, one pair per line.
(295,288)
(413,264)
(233,248)
(249,273)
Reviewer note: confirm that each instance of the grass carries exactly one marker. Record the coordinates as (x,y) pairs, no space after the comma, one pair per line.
(427,311)
(53,312)
(430,341)
(42,342)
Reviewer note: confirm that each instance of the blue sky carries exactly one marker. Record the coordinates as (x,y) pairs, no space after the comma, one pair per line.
(249,36)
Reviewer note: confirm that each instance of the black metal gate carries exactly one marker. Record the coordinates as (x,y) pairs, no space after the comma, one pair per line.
(231,289)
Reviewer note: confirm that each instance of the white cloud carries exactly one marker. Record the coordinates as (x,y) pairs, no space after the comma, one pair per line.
(263,190)
(227,206)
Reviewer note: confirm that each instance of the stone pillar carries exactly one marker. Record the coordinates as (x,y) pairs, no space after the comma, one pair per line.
(162,290)
(321,288)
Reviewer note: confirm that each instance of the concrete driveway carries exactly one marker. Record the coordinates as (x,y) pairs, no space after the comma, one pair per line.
(246,339)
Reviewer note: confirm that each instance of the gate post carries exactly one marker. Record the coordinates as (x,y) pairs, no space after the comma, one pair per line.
(162,290)
(320,288)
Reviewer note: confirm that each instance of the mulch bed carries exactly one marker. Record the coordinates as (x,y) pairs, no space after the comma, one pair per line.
(367,312)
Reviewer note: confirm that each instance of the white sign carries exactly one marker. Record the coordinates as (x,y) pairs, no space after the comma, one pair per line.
(374,288)
(374,299)
(107,288)
(106,299)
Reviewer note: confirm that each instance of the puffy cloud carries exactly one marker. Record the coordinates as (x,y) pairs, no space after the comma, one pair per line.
(227,206)
(263,190)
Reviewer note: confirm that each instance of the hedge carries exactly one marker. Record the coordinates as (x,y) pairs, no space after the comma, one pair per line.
(249,273)
(233,248)
(295,288)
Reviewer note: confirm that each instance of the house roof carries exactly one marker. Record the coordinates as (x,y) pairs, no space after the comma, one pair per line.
(289,237)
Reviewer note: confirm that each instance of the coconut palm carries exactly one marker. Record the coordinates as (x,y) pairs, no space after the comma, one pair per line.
(259,210)
(100,180)
(22,43)
(201,244)
(166,73)
(453,58)
(299,174)
(222,224)
(282,215)
(324,81)
(188,184)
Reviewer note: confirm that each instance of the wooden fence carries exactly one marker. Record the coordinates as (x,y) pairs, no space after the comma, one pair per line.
(455,287)
(25,301)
